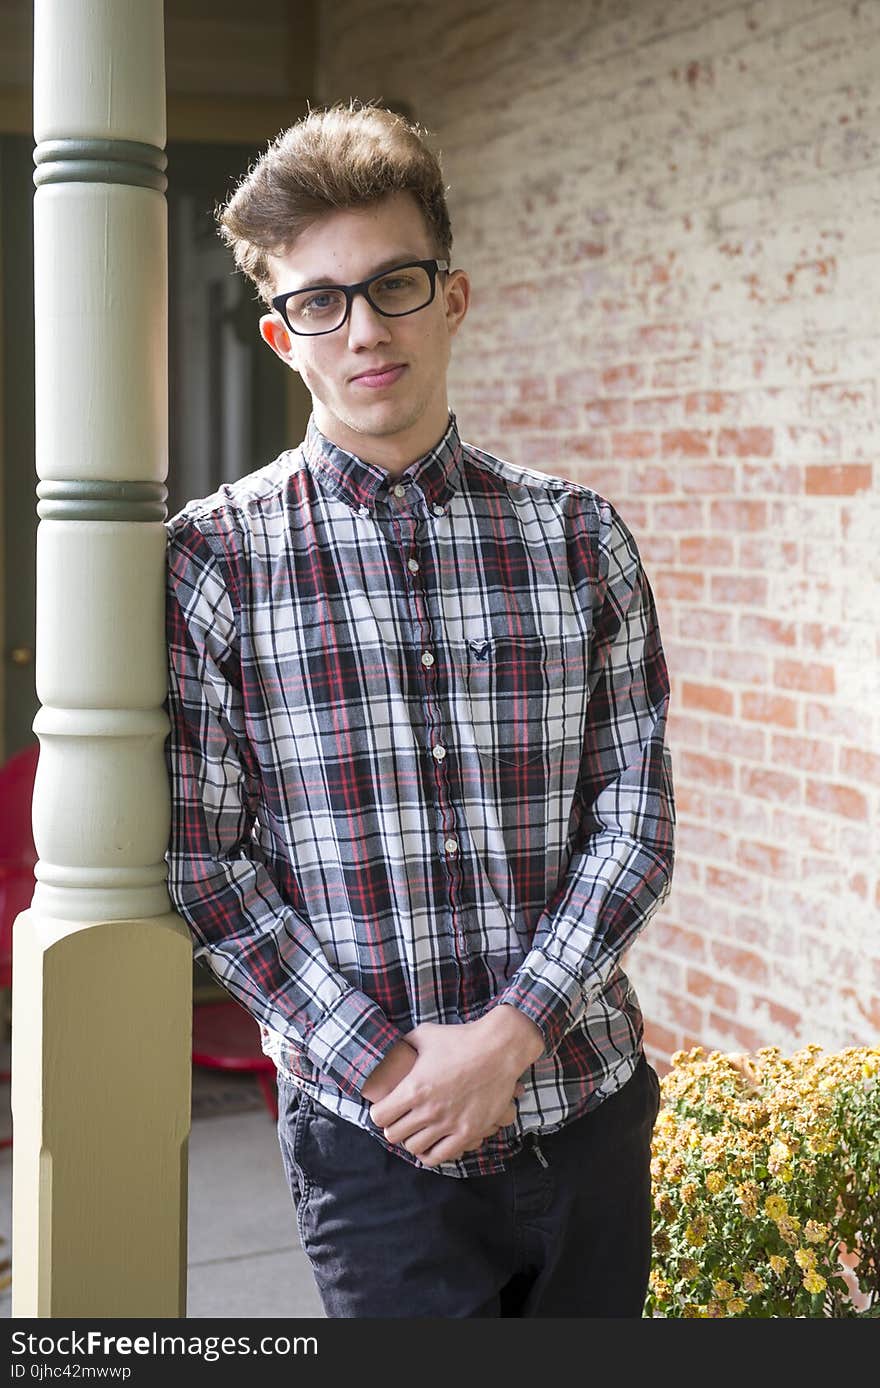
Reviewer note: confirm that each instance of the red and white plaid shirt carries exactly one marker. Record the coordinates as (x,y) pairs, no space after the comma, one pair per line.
(417,764)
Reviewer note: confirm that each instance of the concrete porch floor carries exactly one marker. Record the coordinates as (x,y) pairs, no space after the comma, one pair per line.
(245,1261)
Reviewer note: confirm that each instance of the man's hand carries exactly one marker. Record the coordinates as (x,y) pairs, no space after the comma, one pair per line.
(395,1066)
(462,1085)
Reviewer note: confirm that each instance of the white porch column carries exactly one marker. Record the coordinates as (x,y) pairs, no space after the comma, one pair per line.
(102,968)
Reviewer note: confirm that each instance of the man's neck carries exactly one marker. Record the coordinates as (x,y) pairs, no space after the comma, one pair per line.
(392,453)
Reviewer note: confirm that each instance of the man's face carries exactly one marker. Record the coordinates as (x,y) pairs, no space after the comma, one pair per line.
(378,384)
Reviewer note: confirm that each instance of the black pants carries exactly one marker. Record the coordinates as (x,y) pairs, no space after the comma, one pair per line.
(564,1231)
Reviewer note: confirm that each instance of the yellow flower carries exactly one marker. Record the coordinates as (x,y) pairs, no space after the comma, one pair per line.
(689,1268)
(815,1282)
(752,1282)
(689,1192)
(788,1229)
(775,1207)
(715,1182)
(723,1290)
(814,1232)
(805,1259)
(778,1263)
(695,1233)
(692,1312)
(736,1306)
(748,1194)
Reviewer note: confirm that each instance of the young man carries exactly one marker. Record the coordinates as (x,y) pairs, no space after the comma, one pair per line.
(421,800)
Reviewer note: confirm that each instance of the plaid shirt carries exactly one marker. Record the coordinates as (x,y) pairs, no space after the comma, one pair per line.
(417,764)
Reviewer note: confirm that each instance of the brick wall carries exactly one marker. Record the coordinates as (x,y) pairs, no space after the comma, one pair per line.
(671,213)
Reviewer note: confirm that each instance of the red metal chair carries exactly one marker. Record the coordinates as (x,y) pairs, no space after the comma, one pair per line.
(17,858)
(226,1037)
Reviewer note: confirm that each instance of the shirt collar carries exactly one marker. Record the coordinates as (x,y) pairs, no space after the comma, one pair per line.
(362,484)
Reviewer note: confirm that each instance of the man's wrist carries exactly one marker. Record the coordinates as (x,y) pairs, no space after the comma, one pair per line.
(392,1068)
(517,1033)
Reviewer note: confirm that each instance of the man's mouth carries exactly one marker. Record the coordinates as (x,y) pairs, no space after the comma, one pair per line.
(380,376)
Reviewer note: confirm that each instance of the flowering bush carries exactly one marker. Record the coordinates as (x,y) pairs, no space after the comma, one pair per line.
(766,1176)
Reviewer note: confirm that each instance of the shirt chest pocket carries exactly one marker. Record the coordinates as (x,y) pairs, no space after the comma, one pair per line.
(526,697)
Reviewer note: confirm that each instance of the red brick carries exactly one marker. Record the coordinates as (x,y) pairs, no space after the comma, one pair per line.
(702,842)
(837,799)
(689,800)
(767,708)
(860,765)
(832,720)
(808,678)
(684,944)
(681,1011)
(703,985)
(745,443)
(765,631)
(715,553)
(706,478)
(635,443)
(704,624)
(770,785)
(738,515)
(577,385)
(840,479)
(678,515)
(710,697)
(660,1045)
(787,480)
(714,771)
(657,549)
(743,591)
(807,754)
(627,377)
(766,859)
(737,741)
(704,402)
(676,373)
(767,553)
(733,1035)
(532,388)
(742,667)
(657,409)
(606,412)
(682,584)
(745,963)
(734,888)
(780,1016)
(687,443)
(653,481)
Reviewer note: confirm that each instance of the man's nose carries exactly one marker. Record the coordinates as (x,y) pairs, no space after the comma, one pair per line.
(366,327)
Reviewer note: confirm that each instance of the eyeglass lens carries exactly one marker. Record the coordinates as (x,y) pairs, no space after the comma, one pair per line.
(321,310)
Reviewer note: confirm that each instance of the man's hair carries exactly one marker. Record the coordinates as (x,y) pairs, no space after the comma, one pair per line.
(347,155)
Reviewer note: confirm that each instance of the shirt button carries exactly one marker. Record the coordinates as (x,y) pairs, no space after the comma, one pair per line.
(438,510)
(438,752)
(412,565)
(427,658)
(451,845)
(399,490)
(363,510)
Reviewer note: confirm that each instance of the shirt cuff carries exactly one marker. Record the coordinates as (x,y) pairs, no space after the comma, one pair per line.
(350,1040)
(549,994)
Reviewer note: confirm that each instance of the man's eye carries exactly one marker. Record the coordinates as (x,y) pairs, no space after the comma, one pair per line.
(394,284)
(319,303)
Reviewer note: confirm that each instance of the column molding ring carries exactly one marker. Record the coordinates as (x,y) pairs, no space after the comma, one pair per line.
(100,161)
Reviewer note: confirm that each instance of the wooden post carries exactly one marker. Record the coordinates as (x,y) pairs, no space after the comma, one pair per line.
(102,968)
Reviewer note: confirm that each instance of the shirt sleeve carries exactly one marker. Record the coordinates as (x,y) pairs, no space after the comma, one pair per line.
(258,946)
(621,868)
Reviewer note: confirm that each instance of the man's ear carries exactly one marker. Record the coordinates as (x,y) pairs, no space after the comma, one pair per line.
(274,332)
(457,294)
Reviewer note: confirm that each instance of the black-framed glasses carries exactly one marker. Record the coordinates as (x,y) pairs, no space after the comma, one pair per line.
(322,308)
